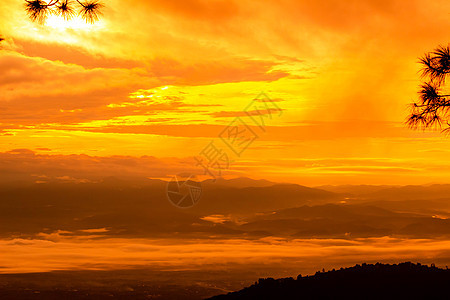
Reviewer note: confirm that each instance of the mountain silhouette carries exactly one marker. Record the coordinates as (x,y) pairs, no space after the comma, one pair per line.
(141,209)
(241,182)
(367,281)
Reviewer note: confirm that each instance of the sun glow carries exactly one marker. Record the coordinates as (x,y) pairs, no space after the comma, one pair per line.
(59,23)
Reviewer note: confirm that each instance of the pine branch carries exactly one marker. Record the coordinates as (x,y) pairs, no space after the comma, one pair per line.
(433,107)
(39,10)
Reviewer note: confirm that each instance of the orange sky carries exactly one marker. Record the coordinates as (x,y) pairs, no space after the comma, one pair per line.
(152,83)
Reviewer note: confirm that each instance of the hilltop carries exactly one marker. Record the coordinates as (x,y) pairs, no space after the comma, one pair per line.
(367,281)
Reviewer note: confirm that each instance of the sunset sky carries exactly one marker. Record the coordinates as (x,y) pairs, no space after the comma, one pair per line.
(150,85)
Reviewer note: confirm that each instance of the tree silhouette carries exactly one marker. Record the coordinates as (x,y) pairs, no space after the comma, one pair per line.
(432,109)
(367,281)
(39,10)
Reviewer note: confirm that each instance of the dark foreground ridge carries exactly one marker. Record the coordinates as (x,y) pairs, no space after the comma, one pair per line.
(368,281)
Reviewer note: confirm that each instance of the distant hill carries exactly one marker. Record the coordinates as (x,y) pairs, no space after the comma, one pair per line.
(413,192)
(241,182)
(379,192)
(141,209)
(356,190)
(225,199)
(344,221)
(367,281)
(407,192)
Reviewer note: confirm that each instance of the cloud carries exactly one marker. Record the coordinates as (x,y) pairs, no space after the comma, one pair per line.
(265,113)
(280,256)
(32,78)
(73,54)
(217,219)
(215,71)
(76,88)
(305,132)
(25,165)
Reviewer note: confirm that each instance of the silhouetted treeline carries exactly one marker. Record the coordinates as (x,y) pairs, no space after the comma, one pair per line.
(367,281)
